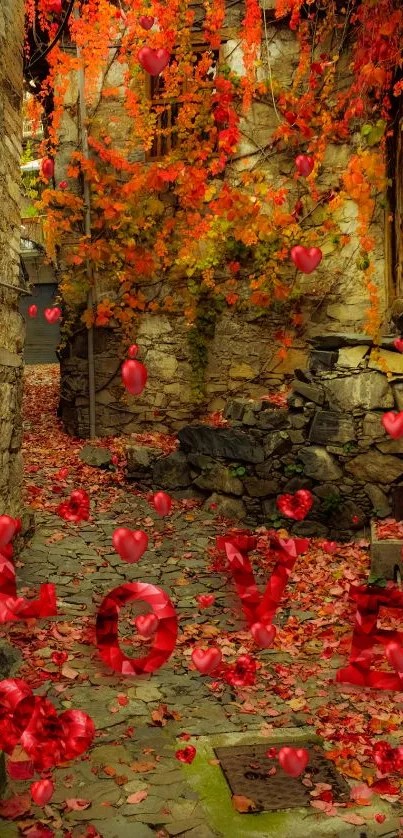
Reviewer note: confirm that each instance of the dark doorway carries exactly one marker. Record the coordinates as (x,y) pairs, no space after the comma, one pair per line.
(42,338)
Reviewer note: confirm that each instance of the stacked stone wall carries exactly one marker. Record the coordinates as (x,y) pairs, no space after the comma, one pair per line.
(11,323)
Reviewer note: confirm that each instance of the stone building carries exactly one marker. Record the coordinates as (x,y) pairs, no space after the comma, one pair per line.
(242,352)
(11,322)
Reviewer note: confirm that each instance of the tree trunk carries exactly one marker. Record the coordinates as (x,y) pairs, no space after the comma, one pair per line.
(11,323)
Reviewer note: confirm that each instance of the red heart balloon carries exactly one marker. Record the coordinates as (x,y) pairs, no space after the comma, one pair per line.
(153,61)
(50,739)
(147,624)
(398,344)
(47,168)
(8,529)
(205,600)
(306,258)
(263,634)
(130,544)
(162,503)
(393,424)
(17,704)
(52,315)
(59,658)
(304,164)
(133,350)
(33,311)
(63,185)
(384,757)
(186,755)
(76,508)
(329,546)
(146,21)
(55,6)
(206,660)
(293,760)
(394,654)
(134,377)
(295,506)
(42,792)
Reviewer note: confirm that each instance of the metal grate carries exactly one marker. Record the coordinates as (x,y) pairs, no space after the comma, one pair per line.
(246,769)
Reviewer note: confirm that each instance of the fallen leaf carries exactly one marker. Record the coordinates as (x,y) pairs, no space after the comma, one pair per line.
(137,797)
(243,804)
(142,767)
(15,806)
(75,804)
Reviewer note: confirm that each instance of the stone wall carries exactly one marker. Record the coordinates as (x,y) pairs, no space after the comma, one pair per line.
(329,439)
(242,354)
(11,323)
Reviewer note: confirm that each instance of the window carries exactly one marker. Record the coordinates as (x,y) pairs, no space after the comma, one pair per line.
(167,109)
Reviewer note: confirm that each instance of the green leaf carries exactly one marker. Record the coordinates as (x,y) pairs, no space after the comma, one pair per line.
(366,129)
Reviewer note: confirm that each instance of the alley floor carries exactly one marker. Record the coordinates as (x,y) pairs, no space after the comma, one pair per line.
(130,783)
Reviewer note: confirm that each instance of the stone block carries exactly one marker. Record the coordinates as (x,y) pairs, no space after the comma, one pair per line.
(96,457)
(221,442)
(232,508)
(242,370)
(372,426)
(260,488)
(382,359)
(219,479)
(320,360)
(330,426)
(141,458)
(375,467)
(273,419)
(277,444)
(386,556)
(397,389)
(380,502)
(172,472)
(351,356)
(318,464)
(309,391)
(368,390)
(294,358)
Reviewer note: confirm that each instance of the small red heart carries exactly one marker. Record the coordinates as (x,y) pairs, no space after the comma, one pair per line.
(52,315)
(186,755)
(206,660)
(146,21)
(304,164)
(329,546)
(205,600)
(134,376)
(33,311)
(133,350)
(306,259)
(162,503)
(130,544)
(263,634)
(380,818)
(63,185)
(398,344)
(153,61)
(147,624)
(393,424)
(295,506)
(394,654)
(293,760)
(42,792)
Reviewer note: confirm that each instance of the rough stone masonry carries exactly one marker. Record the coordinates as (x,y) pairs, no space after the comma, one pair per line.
(11,322)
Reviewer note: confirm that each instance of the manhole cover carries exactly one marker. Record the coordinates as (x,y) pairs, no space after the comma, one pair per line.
(246,769)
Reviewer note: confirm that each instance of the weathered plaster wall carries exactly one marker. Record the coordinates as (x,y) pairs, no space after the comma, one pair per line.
(11,323)
(242,355)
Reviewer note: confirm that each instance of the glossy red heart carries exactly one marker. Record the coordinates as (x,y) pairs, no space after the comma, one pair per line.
(33,311)
(205,600)
(42,792)
(48,168)
(55,6)
(17,705)
(398,344)
(394,654)
(393,424)
(147,624)
(293,760)
(384,757)
(50,739)
(329,546)
(263,634)
(295,506)
(154,61)
(63,185)
(52,315)
(133,350)
(306,258)
(206,660)
(76,508)
(130,544)
(304,164)
(59,658)
(162,503)
(8,529)
(186,755)
(134,376)
(146,21)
